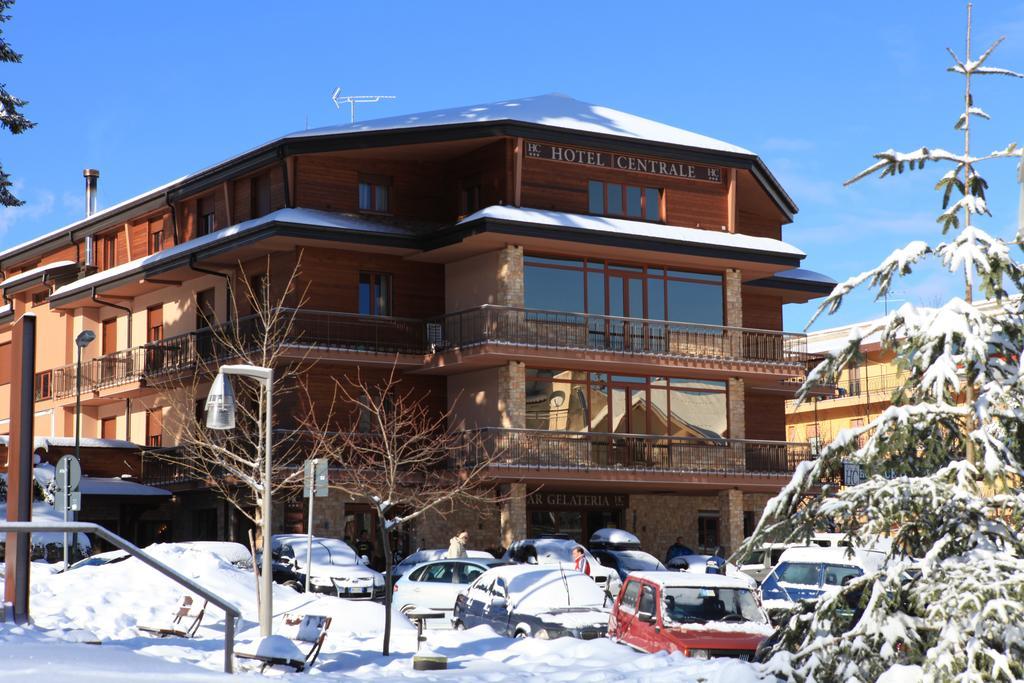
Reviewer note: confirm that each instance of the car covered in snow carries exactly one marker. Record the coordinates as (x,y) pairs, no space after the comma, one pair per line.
(759,563)
(558,551)
(807,572)
(539,601)
(421,556)
(708,564)
(699,615)
(434,586)
(620,550)
(336,569)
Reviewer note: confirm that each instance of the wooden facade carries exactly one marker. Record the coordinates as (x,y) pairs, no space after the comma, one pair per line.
(391,211)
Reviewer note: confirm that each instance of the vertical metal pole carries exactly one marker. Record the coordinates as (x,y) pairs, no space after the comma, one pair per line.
(309,523)
(266,609)
(19,466)
(229,643)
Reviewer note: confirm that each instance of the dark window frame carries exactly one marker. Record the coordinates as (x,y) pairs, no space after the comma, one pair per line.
(379,305)
(382,194)
(610,191)
(42,385)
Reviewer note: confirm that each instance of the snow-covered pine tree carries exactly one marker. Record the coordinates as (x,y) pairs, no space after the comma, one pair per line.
(10,117)
(942,465)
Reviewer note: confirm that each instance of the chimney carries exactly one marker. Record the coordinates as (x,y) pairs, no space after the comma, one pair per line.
(92,177)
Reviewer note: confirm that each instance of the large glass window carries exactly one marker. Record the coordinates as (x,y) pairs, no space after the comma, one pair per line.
(631,201)
(600,288)
(374,294)
(577,401)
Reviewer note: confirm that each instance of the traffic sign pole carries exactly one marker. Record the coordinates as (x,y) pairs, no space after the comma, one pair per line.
(311,470)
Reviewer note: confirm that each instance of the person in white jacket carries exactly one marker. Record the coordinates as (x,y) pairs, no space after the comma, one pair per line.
(457,546)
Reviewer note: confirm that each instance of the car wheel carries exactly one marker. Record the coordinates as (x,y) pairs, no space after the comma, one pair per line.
(521,634)
(294,585)
(458,625)
(407,608)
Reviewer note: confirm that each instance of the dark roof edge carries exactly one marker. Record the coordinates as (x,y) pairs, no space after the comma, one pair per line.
(277,149)
(457,233)
(272,228)
(791,284)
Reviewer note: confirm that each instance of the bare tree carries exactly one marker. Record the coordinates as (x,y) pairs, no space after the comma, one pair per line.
(401,457)
(231,463)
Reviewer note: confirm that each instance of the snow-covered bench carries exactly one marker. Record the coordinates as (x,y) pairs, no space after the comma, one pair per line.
(185,622)
(283,650)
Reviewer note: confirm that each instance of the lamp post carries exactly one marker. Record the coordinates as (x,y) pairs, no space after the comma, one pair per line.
(84,338)
(220,414)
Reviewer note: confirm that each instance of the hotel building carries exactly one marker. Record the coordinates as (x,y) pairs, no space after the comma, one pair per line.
(599,294)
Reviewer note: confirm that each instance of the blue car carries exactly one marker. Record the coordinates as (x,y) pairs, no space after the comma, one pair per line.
(805,574)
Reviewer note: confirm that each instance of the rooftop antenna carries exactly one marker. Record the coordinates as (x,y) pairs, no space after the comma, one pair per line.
(886,298)
(352,100)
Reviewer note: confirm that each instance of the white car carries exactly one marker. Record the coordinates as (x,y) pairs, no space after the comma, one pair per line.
(336,569)
(433,586)
(421,556)
(558,551)
(523,601)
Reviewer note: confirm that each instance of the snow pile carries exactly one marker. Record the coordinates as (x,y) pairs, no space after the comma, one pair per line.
(108,602)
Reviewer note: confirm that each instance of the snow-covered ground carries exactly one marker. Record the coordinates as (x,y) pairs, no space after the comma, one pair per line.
(108,603)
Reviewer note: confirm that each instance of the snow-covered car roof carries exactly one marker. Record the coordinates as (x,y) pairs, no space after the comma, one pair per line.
(831,555)
(441,554)
(691,580)
(535,589)
(225,550)
(614,536)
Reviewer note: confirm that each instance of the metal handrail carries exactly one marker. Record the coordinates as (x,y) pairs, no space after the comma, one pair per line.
(231,611)
(868,385)
(540,328)
(564,450)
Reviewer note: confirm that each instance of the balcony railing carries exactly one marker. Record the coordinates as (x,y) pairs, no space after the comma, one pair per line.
(519,327)
(875,387)
(541,329)
(532,449)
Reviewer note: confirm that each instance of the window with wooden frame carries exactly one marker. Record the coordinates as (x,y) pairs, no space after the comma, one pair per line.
(154,428)
(40,298)
(260,195)
(375,193)
(108,251)
(374,294)
(154,323)
(469,196)
(206,216)
(206,304)
(44,385)
(156,236)
(5,363)
(707,530)
(108,428)
(629,201)
(258,290)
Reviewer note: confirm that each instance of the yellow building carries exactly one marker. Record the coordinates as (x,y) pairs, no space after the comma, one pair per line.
(862,391)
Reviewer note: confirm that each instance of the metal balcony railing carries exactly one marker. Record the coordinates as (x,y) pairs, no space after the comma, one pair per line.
(533,449)
(538,329)
(484,325)
(871,386)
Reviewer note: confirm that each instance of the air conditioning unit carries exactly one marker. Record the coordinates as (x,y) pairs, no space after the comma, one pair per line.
(435,337)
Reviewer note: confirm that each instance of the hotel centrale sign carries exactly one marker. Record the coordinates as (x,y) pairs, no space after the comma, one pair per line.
(623,162)
(577,501)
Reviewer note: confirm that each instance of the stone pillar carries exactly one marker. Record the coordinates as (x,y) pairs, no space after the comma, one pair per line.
(737,409)
(730,517)
(512,395)
(510,277)
(513,514)
(733,298)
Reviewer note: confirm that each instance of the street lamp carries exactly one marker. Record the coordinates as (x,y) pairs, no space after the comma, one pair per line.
(84,338)
(220,414)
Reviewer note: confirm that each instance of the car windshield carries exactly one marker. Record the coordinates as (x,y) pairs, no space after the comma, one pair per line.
(638,561)
(799,573)
(702,604)
(840,575)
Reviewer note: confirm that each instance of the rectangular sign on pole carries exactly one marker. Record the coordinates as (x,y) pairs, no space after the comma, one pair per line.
(314,480)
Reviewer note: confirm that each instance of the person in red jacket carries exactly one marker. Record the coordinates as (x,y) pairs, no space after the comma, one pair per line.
(580,561)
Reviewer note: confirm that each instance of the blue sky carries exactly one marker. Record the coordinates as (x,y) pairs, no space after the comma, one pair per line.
(148,92)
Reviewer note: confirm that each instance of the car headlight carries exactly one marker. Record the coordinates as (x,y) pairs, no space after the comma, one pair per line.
(700,654)
(549,633)
(320,581)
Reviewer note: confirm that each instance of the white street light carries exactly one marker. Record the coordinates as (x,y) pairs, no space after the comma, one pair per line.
(220,414)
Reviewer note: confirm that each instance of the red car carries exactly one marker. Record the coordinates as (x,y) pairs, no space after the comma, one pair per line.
(699,615)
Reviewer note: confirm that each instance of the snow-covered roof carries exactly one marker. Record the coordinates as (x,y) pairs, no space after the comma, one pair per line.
(310,217)
(554,110)
(622,226)
(692,579)
(29,274)
(113,486)
(69,441)
(616,536)
(98,215)
(815,554)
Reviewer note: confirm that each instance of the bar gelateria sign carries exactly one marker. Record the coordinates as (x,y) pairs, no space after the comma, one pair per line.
(623,162)
(577,501)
